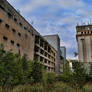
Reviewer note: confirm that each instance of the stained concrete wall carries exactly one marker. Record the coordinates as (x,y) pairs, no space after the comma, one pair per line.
(21,36)
(54,40)
(84,40)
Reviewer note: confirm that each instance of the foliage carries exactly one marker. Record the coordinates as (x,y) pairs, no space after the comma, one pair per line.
(57,87)
(27,69)
(66,72)
(49,78)
(16,70)
(78,78)
(37,72)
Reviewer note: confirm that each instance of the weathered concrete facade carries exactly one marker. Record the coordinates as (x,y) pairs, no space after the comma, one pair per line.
(84,39)
(19,36)
(54,40)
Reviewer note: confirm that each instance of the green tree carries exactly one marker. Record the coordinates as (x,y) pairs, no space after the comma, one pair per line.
(66,72)
(78,77)
(37,72)
(12,70)
(75,77)
(27,69)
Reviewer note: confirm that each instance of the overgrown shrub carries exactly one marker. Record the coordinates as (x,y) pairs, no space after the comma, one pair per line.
(49,78)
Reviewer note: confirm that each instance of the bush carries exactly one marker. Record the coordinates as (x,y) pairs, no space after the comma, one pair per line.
(49,78)
(88,78)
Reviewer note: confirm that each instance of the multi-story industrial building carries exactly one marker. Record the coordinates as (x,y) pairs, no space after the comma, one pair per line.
(84,40)
(18,35)
(54,40)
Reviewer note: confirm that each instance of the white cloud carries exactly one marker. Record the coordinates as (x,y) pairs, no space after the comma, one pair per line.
(84,12)
(32,5)
(67,4)
(43,23)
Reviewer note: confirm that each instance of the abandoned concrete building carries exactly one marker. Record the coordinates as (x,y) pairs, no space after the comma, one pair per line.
(18,35)
(84,40)
(54,40)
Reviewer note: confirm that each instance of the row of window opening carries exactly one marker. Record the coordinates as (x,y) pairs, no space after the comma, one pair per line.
(15,19)
(86,32)
(13,30)
(12,41)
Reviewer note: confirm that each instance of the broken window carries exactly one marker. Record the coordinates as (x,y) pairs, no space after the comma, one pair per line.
(2,7)
(48,62)
(13,30)
(45,61)
(18,45)
(20,24)
(25,28)
(0,20)
(9,15)
(81,32)
(15,19)
(12,42)
(5,38)
(19,34)
(7,26)
(41,58)
(41,51)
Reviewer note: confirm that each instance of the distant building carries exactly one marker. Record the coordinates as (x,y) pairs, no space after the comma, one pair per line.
(63,51)
(54,40)
(84,41)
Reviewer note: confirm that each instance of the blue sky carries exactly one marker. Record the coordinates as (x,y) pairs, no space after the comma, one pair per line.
(56,17)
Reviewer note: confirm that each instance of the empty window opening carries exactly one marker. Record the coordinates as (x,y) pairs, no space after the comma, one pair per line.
(48,62)
(81,32)
(41,43)
(41,59)
(25,28)
(2,7)
(19,34)
(54,54)
(45,54)
(20,24)
(9,15)
(15,19)
(13,30)
(41,51)
(7,26)
(45,61)
(5,38)
(12,42)
(0,20)
(36,49)
(18,45)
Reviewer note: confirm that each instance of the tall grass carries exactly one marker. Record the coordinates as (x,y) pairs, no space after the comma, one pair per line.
(56,87)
